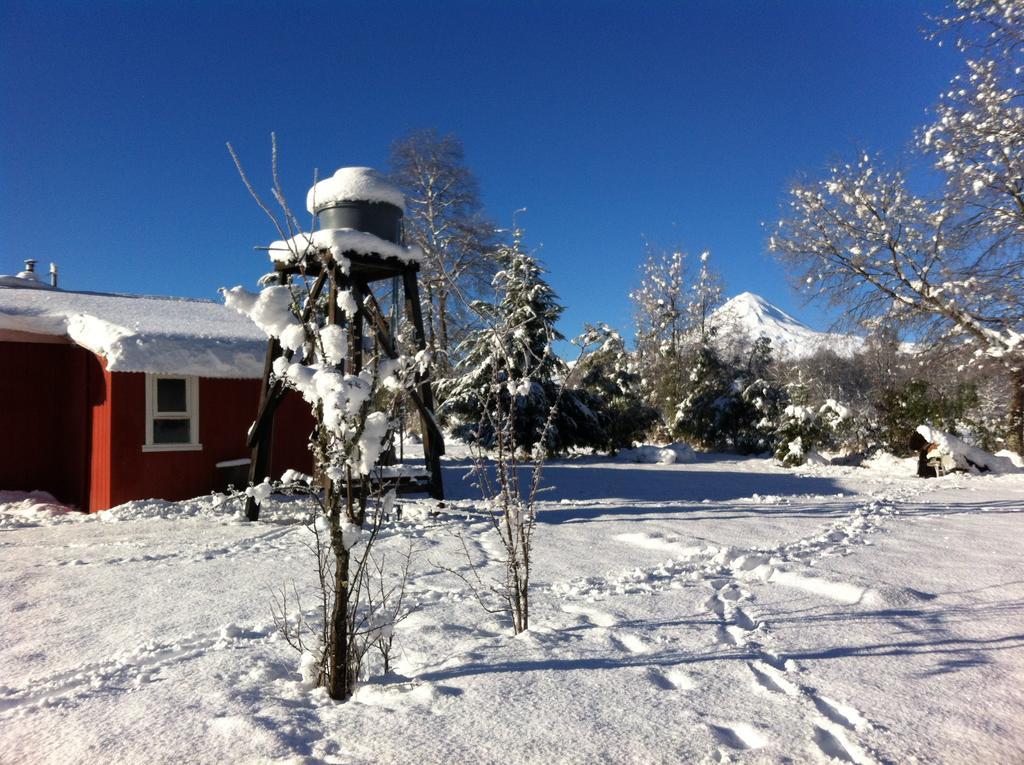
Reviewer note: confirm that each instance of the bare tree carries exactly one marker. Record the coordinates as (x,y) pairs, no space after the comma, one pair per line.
(445,218)
(509,478)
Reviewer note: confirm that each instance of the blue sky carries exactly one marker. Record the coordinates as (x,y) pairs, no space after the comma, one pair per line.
(679,121)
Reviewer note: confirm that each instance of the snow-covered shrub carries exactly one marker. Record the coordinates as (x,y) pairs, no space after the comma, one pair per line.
(798,433)
(353,406)
(805,430)
(608,378)
(705,407)
(954,409)
(731,403)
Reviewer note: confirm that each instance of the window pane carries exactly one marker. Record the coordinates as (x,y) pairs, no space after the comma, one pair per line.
(171,432)
(170,396)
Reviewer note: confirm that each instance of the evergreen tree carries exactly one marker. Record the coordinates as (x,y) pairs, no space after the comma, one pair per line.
(731,403)
(700,415)
(509,372)
(611,383)
(761,400)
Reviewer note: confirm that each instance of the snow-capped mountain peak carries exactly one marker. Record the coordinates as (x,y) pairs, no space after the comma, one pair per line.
(756,312)
(753,316)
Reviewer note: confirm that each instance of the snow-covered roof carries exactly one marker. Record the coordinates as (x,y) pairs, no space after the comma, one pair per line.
(138,333)
(353,184)
(30,282)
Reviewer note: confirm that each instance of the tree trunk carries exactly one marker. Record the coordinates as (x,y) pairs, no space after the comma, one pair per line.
(340,682)
(442,325)
(431,336)
(1015,424)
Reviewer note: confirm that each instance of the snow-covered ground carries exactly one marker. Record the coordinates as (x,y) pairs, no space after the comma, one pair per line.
(714,610)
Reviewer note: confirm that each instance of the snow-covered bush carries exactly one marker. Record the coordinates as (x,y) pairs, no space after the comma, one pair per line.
(954,408)
(609,380)
(707,400)
(731,403)
(804,430)
(798,433)
(353,404)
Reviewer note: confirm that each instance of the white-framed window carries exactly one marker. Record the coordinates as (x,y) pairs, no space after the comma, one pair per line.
(172,414)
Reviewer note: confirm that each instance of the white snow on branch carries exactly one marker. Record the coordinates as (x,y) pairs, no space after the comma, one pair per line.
(271,310)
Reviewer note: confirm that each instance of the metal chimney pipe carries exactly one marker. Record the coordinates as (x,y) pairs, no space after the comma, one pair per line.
(30,265)
(53,274)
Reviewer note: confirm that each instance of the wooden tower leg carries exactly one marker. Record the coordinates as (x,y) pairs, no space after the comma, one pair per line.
(262,433)
(433,444)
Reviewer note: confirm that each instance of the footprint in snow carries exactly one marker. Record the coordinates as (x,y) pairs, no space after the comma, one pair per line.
(594,616)
(738,735)
(743,620)
(771,679)
(730,634)
(832,743)
(629,643)
(673,680)
(840,714)
(714,605)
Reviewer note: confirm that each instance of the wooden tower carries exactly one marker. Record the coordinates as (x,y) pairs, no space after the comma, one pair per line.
(358,200)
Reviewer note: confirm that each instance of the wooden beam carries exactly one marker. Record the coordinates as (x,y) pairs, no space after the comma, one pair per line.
(383,334)
(261,436)
(433,442)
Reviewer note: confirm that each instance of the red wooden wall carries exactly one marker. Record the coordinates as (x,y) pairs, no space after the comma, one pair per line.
(45,403)
(226,410)
(71,427)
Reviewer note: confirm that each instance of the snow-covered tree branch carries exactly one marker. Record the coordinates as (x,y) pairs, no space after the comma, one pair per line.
(947,267)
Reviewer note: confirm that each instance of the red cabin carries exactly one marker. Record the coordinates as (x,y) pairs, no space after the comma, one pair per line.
(108,398)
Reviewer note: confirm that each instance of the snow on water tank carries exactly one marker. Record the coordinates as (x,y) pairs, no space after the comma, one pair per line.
(30,271)
(359,198)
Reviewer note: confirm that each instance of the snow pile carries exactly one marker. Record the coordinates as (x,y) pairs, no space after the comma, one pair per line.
(657,455)
(260,492)
(1015,458)
(965,456)
(278,508)
(31,508)
(353,184)
(134,333)
(290,477)
(338,241)
(886,464)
